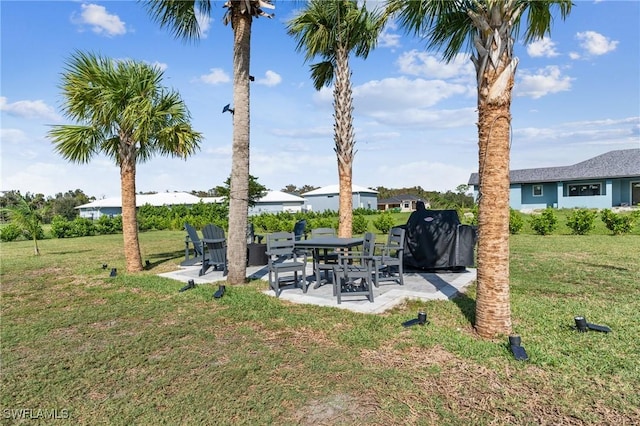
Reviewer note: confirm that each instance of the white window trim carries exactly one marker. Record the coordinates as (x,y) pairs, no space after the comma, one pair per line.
(533,191)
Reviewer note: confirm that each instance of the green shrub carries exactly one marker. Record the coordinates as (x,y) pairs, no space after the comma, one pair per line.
(384,222)
(359,225)
(105,225)
(82,227)
(60,227)
(516,222)
(10,232)
(581,221)
(544,223)
(618,223)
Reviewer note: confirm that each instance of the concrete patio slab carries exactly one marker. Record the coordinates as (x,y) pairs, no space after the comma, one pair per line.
(441,285)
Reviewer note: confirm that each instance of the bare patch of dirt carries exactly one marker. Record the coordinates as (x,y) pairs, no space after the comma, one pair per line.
(336,409)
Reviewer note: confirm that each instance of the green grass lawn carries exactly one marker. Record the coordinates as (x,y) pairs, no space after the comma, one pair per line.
(90,349)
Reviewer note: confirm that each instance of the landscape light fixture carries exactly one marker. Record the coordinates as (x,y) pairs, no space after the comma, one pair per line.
(220,292)
(147,263)
(190,284)
(516,348)
(421,319)
(582,326)
(226,108)
(113,272)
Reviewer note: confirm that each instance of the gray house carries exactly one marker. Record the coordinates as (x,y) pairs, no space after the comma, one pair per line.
(608,180)
(277,202)
(328,198)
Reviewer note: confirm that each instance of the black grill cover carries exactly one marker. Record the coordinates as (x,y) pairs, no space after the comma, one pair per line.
(435,239)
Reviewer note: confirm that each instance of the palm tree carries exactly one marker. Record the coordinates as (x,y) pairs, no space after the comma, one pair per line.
(332,30)
(181,17)
(25,216)
(488,29)
(122,112)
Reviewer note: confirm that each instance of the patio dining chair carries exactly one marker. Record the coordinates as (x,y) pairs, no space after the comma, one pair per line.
(283,258)
(322,259)
(391,257)
(355,273)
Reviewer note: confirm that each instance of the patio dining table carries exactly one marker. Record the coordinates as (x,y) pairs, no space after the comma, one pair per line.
(325,244)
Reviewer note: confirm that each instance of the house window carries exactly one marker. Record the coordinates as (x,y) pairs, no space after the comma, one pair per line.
(406,205)
(585,189)
(537,190)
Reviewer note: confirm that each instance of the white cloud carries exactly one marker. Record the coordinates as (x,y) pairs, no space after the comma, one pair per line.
(402,92)
(595,43)
(13,136)
(543,82)
(387,38)
(100,21)
(216,76)
(542,48)
(423,64)
(29,109)
(271,79)
(160,65)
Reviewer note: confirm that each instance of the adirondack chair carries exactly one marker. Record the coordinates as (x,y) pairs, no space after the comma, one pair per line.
(192,239)
(216,249)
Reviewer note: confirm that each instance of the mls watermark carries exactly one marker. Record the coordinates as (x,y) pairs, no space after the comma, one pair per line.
(39,413)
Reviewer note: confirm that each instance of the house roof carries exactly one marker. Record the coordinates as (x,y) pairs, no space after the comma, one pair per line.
(613,164)
(280,197)
(399,199)
(335,189)
(160,199)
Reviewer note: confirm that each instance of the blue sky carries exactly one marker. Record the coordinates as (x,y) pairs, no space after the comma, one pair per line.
(577,95)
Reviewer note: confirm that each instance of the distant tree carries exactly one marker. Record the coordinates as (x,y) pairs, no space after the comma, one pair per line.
(256,191)
(307,188)
(290,189)
(123,112)
(25,216)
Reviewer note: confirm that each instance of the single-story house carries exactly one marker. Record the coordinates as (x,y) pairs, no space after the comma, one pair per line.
(113,206)
(608,180)
(328,198)
(277,202)
(402,203)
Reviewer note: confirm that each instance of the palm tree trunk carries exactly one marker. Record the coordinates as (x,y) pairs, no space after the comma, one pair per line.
(239,187)
(344,139)
(129,219)
(493,308)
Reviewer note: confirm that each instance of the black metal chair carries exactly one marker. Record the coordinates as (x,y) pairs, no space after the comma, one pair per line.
(300,230)
(283,258)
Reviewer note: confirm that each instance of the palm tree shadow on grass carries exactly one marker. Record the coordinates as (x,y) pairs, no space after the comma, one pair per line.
(467,306)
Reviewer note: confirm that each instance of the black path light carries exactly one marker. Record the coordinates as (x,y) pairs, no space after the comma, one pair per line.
(190,284)
(515,343)
(220,292)
(421,319)
(582,325)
